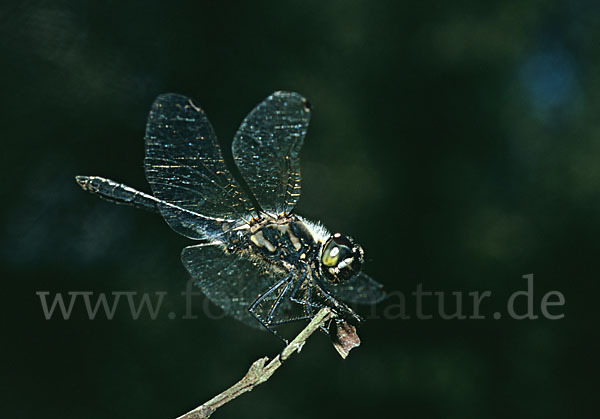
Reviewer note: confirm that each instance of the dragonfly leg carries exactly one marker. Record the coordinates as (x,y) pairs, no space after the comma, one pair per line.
(282,295)
(277,302)
(310,305)
(294,319)
(306,303)
(295,290)
(252,308)
(338,305)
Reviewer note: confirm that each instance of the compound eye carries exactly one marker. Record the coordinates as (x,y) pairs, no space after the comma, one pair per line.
(341,240)
(337,249)
(331,254)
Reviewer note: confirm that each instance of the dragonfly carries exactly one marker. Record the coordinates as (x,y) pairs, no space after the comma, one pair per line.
(255,258)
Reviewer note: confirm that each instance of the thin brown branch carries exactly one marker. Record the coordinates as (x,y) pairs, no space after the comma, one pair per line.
(260,371)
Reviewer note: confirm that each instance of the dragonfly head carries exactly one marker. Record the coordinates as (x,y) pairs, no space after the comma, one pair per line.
(341,258)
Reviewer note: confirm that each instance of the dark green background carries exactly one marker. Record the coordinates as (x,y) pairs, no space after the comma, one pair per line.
(458,142)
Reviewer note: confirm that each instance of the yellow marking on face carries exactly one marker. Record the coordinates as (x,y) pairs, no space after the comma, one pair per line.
(330,257)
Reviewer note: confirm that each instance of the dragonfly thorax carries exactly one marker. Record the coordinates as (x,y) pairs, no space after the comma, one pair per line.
(286,241)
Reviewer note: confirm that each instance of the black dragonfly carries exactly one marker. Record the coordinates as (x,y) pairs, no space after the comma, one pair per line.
(264,266)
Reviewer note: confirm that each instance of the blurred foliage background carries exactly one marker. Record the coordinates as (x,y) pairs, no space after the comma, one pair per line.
(457,141)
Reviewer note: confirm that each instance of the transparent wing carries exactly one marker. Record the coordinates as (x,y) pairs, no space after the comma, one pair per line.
(184,164)
(361,289)
(227,280)
(266,149)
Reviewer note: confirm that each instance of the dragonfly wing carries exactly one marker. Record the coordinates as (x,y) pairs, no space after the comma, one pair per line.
(266,149)
(229,281)
(184,164)
(360,289)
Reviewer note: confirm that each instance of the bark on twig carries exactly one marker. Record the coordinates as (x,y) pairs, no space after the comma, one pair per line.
(260,371)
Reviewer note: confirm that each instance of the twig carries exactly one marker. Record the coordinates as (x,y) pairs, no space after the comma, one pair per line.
(259,372)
